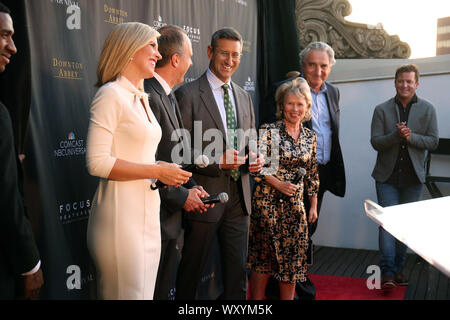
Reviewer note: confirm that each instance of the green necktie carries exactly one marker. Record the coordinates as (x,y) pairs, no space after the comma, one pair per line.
(231,126)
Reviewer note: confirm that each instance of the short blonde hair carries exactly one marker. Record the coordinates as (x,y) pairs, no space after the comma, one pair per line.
(120,45)
(298,87)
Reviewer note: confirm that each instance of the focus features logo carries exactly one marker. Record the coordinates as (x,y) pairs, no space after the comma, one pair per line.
(70,147)
(193,33)
(74,211)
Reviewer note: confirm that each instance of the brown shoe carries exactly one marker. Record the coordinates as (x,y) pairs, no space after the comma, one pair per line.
(400,279)
(388,282)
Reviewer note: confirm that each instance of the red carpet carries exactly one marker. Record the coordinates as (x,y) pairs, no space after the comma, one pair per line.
(345,288)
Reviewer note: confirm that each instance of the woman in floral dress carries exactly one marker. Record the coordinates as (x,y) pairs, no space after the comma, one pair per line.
(279,229)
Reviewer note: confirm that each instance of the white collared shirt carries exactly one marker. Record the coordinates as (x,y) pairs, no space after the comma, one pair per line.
(321,124)
(216,88)
(163,83)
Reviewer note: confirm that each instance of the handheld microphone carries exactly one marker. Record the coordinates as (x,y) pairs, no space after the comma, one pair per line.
(221,197)
(200,162)
(298,176)
(300,173)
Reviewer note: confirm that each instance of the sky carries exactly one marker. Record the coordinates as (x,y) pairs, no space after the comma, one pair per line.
(414,21)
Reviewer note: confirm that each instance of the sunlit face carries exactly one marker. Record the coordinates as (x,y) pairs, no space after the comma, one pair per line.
(185,59)
(294,108)
(406,85)
(7,47)
(225,58)
(145,59)
(316,68)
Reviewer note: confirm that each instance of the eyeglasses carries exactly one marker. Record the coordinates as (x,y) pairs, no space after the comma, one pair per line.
(234,55)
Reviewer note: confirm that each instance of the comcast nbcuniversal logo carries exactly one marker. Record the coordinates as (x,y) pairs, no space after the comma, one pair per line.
(71,146)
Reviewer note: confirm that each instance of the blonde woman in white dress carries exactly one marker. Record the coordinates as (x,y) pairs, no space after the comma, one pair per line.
(123,233)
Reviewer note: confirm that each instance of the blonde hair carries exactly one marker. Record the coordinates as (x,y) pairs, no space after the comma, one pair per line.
(298,87)
(120,46)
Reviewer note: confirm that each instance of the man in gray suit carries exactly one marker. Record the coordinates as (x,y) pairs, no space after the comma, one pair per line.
(176,50)
(216,102)
(403,129)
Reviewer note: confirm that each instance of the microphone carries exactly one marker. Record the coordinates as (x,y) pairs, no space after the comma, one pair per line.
(200,162)
(221,197)
(298,176)
(300,173)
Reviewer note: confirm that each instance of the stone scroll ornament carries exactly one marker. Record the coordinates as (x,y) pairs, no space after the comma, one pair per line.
(323,20)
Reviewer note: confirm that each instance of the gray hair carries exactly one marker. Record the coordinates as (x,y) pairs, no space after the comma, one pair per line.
(225,33)
(322,46)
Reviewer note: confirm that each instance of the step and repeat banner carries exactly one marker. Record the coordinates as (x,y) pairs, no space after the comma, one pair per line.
(65,38)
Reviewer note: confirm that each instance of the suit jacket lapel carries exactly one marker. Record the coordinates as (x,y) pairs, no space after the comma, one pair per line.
(165,102)
(210,103)
(332,107)
(239,111)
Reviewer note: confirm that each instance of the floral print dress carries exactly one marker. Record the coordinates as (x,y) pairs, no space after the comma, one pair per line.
(278,238)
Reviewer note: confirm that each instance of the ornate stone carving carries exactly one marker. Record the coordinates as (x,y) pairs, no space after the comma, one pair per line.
(323,20)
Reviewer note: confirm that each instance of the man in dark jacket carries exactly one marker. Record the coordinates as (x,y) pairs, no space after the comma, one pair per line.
(20,273)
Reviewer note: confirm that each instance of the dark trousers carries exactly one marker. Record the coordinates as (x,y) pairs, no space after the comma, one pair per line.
(232,233)
(168,267)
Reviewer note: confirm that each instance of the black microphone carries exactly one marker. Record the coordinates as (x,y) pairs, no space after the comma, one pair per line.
(300,173)
(200,162)
(298,176)
(221,197)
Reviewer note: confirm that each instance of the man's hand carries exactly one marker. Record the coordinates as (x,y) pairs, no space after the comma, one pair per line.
(256,162)
(231,161)
(32,284)
(194,202)
(403,131)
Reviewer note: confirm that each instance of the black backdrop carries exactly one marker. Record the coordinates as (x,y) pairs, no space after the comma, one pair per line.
(49,86)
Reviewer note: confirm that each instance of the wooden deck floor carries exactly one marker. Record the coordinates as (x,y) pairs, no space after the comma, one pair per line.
(425,281)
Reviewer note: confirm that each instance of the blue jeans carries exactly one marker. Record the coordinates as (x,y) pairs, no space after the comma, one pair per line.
(392,251)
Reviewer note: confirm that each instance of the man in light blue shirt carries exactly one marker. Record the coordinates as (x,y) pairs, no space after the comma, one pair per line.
(316,60)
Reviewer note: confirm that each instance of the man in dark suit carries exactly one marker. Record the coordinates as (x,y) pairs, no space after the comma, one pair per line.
(176,51)
(216,105)
(20,273)
(316,60)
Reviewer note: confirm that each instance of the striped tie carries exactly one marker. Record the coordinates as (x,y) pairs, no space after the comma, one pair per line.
(231,126)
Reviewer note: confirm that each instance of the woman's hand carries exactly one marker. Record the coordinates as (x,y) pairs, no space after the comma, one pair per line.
(171,174)
(287,188)
(312,215)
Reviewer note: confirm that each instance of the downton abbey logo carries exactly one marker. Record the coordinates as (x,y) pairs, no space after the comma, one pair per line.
(66,69)
(114,15)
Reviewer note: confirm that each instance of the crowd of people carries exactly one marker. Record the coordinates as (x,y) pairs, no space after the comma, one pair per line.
(152,242)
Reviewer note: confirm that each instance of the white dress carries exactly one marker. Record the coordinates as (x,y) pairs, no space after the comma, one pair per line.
(123,234)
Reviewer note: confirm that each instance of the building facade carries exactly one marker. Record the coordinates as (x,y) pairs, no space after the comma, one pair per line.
(443,36)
